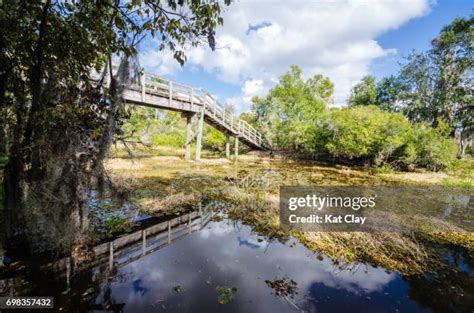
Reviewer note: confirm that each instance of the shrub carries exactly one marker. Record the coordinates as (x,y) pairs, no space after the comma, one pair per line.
(364,132)
(381,137)
(213,139)
(173,138)
(433,150)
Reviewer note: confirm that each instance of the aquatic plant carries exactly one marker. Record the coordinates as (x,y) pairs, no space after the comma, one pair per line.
(225,294)
(248,191)
(116,225)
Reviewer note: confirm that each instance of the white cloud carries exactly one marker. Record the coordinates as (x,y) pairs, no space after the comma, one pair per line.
(158,62)
(260,40)
(252,87)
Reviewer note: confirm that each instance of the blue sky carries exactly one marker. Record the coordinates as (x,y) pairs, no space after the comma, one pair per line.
(344,39)
(417,34)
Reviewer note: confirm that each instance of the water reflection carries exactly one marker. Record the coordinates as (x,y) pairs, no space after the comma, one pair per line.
(140,272)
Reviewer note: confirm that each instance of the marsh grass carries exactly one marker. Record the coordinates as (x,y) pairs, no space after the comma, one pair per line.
(249,190)
(116,225)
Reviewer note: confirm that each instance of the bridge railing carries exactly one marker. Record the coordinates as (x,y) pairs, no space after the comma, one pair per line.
(155,84)
(151,84)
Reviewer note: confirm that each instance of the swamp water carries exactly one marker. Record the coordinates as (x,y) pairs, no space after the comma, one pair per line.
(200,263)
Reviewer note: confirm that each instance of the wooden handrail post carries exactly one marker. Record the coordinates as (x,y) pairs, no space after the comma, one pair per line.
(170,88)
(169,232)
(189,223)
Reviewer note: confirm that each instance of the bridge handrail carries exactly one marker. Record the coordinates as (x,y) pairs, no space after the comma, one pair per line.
(155,84)
(202,97)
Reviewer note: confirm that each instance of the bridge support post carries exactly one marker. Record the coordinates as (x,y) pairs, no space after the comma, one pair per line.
(199,135)
(236,148)
(187,145)
(111,255)
(227,146)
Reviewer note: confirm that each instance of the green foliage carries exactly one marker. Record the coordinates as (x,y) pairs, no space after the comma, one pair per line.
(438,84)
(3,160)
(296,118)
(364,132)
(249,117)
(463,168)
(432,86)
(138,122)
(368,133)
(225,294)
(116,225)
(433,150)
(166,128)
(364,93)
(388,89)
(384,169)
(286,115)
(213,140)
(174,138)
(458,183)
(64,120)
(417,94)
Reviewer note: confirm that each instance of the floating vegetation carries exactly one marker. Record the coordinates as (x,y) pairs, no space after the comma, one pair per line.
(116,225)
(283,287)
(248,191)
(178,289)
(225,294)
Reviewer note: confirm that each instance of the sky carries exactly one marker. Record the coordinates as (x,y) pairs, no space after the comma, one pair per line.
(342,39)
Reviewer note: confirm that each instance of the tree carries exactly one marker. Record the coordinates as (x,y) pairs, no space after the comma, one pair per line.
(388,89)
(453,50)
(364,92)
(288,113)
(418,81)
(64,121)
(383,93)
(438,85)
(250,117)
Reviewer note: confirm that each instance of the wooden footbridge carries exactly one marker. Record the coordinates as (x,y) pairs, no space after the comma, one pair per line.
(158,92)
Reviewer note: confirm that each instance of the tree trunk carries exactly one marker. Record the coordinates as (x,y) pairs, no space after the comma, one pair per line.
(52,166)
(45,205)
